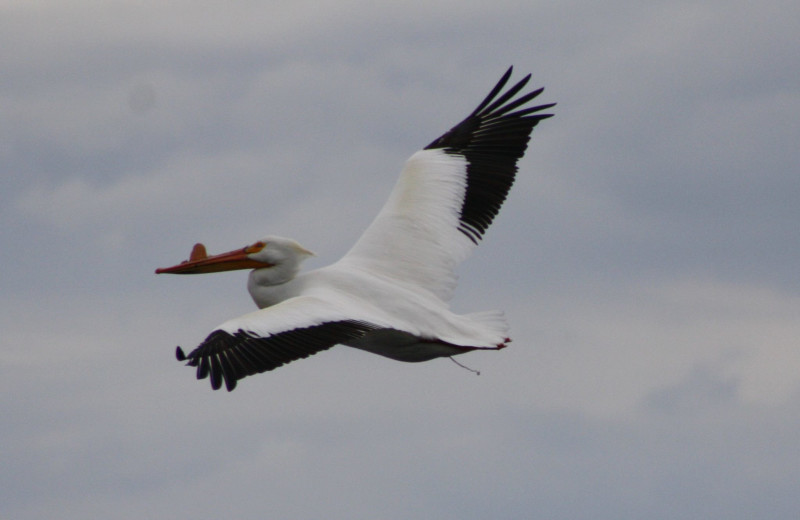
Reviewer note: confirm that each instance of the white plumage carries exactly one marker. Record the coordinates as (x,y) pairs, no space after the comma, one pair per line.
(389,294)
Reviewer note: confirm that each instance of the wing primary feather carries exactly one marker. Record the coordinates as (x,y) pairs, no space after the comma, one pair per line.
(231,367)
(252,357)
(203,365)
(497,88)
(508,95)
(500,107)
(226,357)
(491,139)
(215,374)
(526,111)
(229,371)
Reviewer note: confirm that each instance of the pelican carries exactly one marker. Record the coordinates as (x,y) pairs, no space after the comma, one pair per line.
(389,294)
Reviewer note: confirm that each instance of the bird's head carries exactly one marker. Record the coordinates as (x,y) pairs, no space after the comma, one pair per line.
(271,253)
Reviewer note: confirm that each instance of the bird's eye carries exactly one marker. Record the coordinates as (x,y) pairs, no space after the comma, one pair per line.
(255,248)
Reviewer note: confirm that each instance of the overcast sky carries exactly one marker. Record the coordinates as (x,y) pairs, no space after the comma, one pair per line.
(647,260)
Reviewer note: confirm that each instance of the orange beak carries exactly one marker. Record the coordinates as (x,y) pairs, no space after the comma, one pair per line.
(199,262)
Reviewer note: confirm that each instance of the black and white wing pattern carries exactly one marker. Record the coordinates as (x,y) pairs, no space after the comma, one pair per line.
(449,193)
(266,339)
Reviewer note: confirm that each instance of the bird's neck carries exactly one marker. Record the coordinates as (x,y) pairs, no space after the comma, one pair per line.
(270,286)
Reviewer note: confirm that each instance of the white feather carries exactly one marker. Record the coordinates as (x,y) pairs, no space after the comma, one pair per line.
(415,237)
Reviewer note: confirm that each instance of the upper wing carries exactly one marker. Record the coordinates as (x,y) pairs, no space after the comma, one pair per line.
(449,193)
(268,338)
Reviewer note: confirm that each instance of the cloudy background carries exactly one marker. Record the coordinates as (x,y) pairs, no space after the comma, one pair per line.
(647,259)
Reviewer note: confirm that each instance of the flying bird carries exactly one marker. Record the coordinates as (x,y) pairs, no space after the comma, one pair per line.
(389,294)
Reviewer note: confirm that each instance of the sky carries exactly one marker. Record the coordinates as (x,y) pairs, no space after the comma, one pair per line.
(646,258)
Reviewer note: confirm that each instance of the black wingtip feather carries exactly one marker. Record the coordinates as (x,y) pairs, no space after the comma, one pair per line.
(496,90)
(215,374)
(493,108)
(203,366)
(229,373)
(228,357)
(492,139)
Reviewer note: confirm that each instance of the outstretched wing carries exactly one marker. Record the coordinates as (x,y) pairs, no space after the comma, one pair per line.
(271,337)
(449,193)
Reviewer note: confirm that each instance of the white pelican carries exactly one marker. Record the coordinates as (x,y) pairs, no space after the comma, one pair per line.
(388,295)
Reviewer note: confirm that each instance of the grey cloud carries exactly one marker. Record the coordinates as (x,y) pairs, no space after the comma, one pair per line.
(646,259)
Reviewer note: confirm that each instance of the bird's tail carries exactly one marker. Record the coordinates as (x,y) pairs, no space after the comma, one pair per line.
(493,326)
